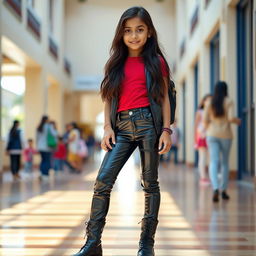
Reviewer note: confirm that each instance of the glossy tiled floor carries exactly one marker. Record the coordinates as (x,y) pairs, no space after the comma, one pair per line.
(48,218)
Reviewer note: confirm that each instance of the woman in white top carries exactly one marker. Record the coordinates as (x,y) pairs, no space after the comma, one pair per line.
(44,130)
(218,117)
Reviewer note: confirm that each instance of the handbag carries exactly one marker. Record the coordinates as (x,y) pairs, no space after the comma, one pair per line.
(82,149)
(51,139)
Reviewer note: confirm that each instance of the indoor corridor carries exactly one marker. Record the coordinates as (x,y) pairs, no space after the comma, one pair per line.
(47,218)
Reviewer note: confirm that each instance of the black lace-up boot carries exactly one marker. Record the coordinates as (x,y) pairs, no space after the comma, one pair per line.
(148,230)
(92,246)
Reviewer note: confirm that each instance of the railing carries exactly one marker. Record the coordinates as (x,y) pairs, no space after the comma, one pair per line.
(182,48)
(33,23)
(53,47)
(67,66)
(194,20)
(15,5)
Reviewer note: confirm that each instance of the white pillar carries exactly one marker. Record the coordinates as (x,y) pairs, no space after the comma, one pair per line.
(35,99)
(55,105)
(228,64)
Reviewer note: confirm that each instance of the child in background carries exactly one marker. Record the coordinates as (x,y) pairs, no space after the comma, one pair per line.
(29,151)
(59,155)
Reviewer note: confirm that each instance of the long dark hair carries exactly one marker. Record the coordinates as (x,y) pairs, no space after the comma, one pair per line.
(114,68)
(41,125)
(14,127)
(220,92)
(202,103)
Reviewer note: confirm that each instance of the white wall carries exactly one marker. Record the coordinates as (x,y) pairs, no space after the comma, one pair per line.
(91,27)
(35,61)
(35,52)
(219,15)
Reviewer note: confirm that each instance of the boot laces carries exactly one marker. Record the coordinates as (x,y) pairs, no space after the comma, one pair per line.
(86,229)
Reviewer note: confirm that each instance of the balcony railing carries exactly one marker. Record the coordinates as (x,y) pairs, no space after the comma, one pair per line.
(33,23)
(15,5)
(53,47)
(67,66)
(194,20)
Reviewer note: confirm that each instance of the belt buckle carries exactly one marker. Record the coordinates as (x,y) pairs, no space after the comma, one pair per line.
(130,113)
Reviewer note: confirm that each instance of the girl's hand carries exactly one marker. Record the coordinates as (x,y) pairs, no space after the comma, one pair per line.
(165,140)
(109,136)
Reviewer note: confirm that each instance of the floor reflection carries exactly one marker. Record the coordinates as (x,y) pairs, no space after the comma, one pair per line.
(48,219)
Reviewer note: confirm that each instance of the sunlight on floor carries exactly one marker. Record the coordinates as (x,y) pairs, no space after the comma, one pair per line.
(50,223)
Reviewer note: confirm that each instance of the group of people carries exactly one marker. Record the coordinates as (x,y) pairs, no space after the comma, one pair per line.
(56,151)
(213,134)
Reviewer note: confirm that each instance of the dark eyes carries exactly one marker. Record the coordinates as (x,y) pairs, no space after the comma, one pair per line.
(128,31)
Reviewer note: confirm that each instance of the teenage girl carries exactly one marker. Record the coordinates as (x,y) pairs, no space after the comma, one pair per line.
(135,115)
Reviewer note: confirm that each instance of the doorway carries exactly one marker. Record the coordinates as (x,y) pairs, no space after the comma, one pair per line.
(246,132)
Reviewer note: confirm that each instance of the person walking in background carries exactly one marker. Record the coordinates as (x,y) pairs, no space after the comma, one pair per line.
(131,121)
(218,117)
(59,155)
(28,153)
(45,143)
(200,141)
(14,147)
(73,147)
(175,137)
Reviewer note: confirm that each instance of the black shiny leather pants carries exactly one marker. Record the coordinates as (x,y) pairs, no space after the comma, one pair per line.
(133,128)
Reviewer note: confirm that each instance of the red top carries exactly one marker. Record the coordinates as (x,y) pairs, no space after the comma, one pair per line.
(61,151)
(134,92)
(28,154)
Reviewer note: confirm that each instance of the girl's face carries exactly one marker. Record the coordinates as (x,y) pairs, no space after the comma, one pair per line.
(135,35)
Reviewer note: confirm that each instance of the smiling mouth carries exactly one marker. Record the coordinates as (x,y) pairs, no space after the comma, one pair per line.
(134,42)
